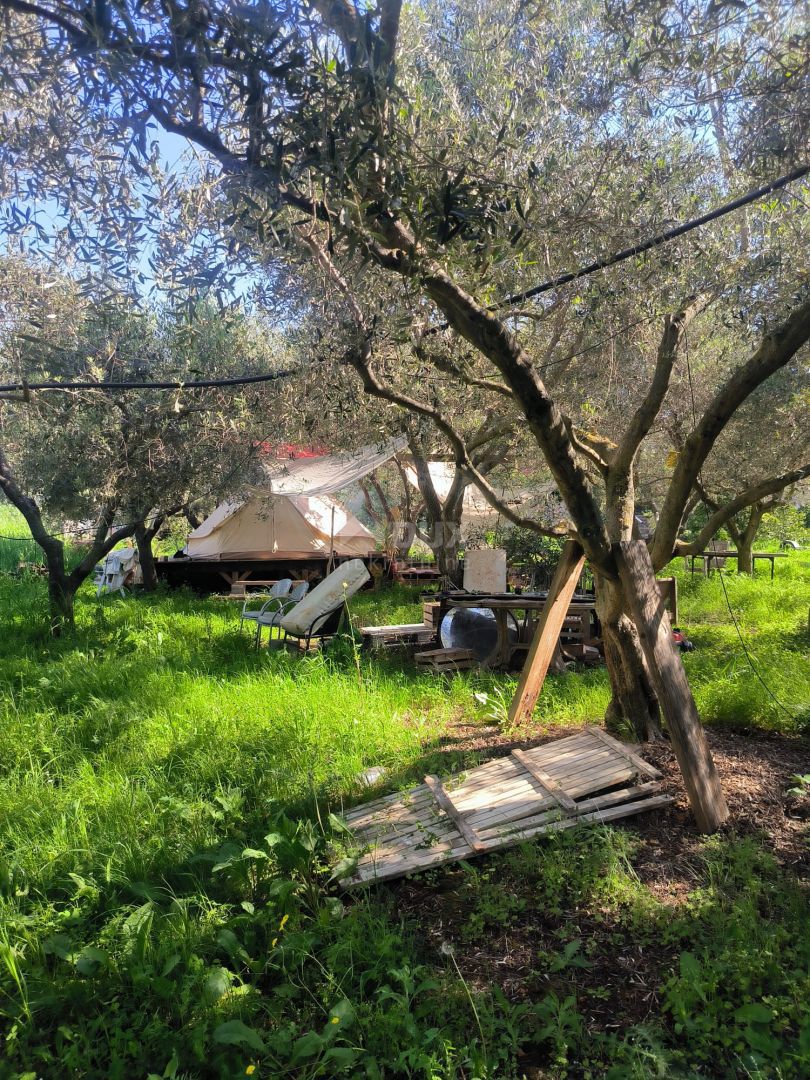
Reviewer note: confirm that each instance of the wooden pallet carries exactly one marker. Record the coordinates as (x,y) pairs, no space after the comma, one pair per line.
(399,634)
(590,777)
(432,614)
(447,659)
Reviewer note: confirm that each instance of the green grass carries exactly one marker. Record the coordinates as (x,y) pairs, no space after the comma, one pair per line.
(164,817)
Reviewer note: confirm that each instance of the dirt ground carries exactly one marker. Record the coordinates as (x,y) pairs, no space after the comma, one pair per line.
(621,985)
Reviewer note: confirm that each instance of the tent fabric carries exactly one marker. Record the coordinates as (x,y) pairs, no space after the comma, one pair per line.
(269,526)
(476,510)
(328,474)
(475,507)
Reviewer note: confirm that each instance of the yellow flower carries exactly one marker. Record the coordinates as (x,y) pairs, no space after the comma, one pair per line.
(283,922)
(334,1020)
(273,943)
(250,1070)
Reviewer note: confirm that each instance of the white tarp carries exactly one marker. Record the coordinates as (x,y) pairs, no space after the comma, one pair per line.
(330,473)
(477,513)
(268,526)
(475,505)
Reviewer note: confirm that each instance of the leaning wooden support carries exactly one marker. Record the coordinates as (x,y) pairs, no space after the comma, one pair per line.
(671,685)
(547,634)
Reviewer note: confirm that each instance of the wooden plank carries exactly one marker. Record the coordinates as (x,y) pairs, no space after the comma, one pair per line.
(547,634)
(526,832)
(620,748)
(547,781)
(494,804)
(671,686)
(446,803)
(380,869)
(602,802)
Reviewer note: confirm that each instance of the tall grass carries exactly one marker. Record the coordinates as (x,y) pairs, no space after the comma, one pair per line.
(143,757)
(16,546)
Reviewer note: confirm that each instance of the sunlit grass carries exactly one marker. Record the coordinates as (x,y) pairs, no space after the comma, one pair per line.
(133,753)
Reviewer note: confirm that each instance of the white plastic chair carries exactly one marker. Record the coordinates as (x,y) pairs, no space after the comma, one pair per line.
(277,593)
(270,618)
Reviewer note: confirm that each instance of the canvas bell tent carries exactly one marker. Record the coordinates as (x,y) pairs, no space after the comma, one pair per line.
(291,526)
(268,526)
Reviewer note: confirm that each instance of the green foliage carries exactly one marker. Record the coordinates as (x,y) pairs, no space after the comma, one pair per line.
(165,843)
(772,617)
(740,990)
(531,549)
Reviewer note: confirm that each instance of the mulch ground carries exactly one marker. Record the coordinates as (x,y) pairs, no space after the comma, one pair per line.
(620,987)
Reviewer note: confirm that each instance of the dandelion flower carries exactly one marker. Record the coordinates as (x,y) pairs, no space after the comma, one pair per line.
(250,1070)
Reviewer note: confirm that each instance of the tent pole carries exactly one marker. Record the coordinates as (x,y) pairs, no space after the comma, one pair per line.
(331,541)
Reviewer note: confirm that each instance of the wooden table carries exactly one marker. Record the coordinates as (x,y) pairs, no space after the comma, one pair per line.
(707,557)
(504,603)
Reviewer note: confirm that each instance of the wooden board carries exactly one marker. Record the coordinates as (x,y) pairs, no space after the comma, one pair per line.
(547,634)
(399,634)
(585,777)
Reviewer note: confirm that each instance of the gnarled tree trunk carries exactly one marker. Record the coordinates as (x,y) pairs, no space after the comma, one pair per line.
(744,538)
(633,701)
(61,590)
(143,538)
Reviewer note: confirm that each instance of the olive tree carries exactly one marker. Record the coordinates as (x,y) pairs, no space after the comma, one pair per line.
(123,460)
(449,152)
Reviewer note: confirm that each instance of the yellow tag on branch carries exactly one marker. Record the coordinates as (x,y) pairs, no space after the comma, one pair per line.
(672,459)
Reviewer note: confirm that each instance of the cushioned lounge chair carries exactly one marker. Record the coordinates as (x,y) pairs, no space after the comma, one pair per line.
(319,614)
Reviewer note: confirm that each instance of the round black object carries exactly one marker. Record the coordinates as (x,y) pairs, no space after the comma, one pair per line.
(475,629)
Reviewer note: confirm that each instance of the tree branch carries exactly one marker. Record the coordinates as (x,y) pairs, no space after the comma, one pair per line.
(776,350)
(723,514)
(675,327)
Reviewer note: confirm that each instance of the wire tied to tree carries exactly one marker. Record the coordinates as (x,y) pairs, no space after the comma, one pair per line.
(516,298)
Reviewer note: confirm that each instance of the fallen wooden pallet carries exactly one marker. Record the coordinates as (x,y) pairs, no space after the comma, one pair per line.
(447,659)
(399,634)
(590,777)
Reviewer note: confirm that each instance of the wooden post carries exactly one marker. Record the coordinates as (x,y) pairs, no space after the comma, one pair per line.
(671,685)
(547,634)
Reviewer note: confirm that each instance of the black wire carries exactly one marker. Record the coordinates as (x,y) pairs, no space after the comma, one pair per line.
(751,663)
(655,241)
(237,380)
(645,245)
(516,298)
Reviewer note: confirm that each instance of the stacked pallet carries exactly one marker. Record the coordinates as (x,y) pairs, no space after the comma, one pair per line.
(397,634)
(447,660)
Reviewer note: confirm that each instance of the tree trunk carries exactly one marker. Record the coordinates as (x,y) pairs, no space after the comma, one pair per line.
(745,549)
(745,540)
(445,549)
(143,538)
(61,589)
(445,539)
(633,701)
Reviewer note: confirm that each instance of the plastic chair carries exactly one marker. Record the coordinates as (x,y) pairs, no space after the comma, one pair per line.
(269,618)
(278,592)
